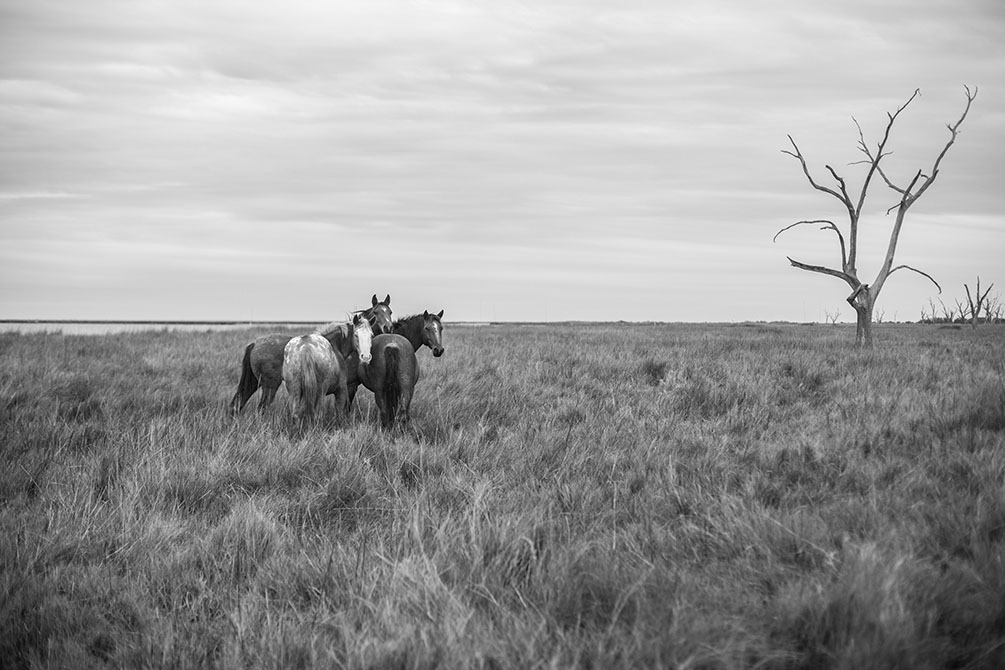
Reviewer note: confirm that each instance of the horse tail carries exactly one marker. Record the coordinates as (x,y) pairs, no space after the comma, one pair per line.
(392,385)
(312,388)
(248,384)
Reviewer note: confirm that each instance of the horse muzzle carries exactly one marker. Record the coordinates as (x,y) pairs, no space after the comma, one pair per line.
(437,352)
(366,358)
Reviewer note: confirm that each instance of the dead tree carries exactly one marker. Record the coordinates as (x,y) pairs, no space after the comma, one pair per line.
(977,302)
(863,296)
(993,309)
(948,314)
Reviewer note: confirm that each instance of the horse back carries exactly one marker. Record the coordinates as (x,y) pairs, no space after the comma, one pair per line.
(311,347)
(266,356)
(407,361)
(311,368)
(385,340)
(372,375)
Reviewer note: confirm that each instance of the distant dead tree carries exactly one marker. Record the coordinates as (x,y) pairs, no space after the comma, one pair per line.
(940,314)
(980,303)
(961,311)
(995,309)
(948,313)
(976,303)
(863,296)
(832,317)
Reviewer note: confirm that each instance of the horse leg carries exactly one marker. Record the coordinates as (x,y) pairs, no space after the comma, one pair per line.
(405,397)
(385,412)
(342,402)
(236,404)
(351,389)
(293,390)
(268,395)
(248,383)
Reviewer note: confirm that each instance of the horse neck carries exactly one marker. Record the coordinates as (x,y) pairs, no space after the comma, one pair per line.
(411,328)
(341,339)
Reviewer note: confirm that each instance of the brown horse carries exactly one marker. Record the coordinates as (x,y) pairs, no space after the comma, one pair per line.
(419,329)
(262,363)
(391,374)
(422,329)
(313,368)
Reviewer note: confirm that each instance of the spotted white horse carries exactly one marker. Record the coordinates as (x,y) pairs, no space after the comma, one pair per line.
(312,369)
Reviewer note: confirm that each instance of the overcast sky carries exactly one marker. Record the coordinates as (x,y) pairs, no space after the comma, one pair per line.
(539,160)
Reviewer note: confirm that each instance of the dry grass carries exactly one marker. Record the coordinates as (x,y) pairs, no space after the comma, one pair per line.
(567,496)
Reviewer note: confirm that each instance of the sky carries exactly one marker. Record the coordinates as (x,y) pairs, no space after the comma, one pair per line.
(544,160)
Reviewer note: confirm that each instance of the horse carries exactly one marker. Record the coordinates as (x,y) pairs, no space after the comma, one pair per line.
(313,368)
(422,329)
(419,329)
(262,363)
(391,374)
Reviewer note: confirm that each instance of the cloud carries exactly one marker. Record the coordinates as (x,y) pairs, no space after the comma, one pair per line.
(518,145)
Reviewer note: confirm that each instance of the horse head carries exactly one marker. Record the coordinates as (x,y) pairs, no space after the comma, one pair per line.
(432,332)
(379,314)
(362,337)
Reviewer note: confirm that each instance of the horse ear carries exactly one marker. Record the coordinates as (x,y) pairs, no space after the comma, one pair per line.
(387,300)
(440,315)
(425,315)
(373,300)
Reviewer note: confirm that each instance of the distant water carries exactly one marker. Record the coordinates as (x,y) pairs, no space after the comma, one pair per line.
(106,327)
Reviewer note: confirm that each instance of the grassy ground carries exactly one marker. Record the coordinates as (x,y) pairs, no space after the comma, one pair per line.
(568,496)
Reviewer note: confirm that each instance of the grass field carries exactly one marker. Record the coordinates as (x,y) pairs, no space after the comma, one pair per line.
(594,496)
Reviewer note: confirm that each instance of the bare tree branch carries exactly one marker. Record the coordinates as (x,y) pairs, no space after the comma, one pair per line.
(828,225)
(906,199)
(954,130)
(907,193)
(923,274)
(874,160)
(848,279)
(890,183)
(844,190)
(798,155)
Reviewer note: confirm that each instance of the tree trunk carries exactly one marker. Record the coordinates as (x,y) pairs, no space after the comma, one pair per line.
(863,331)
(863,300)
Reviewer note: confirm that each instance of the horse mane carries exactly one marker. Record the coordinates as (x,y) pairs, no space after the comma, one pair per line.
(406,320)
(329,328)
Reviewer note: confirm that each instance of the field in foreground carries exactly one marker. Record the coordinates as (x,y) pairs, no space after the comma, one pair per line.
(576,496)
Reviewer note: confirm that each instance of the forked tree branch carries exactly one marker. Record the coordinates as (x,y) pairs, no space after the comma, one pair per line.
(840,180)
(829,225)
(907,197)
(879,155)
(798,155)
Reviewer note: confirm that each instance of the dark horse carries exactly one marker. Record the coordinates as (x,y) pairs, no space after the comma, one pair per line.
(391,374)
(419,329)
(262,364)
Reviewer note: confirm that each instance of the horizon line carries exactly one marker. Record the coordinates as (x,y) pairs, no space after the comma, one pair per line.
(240,322)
